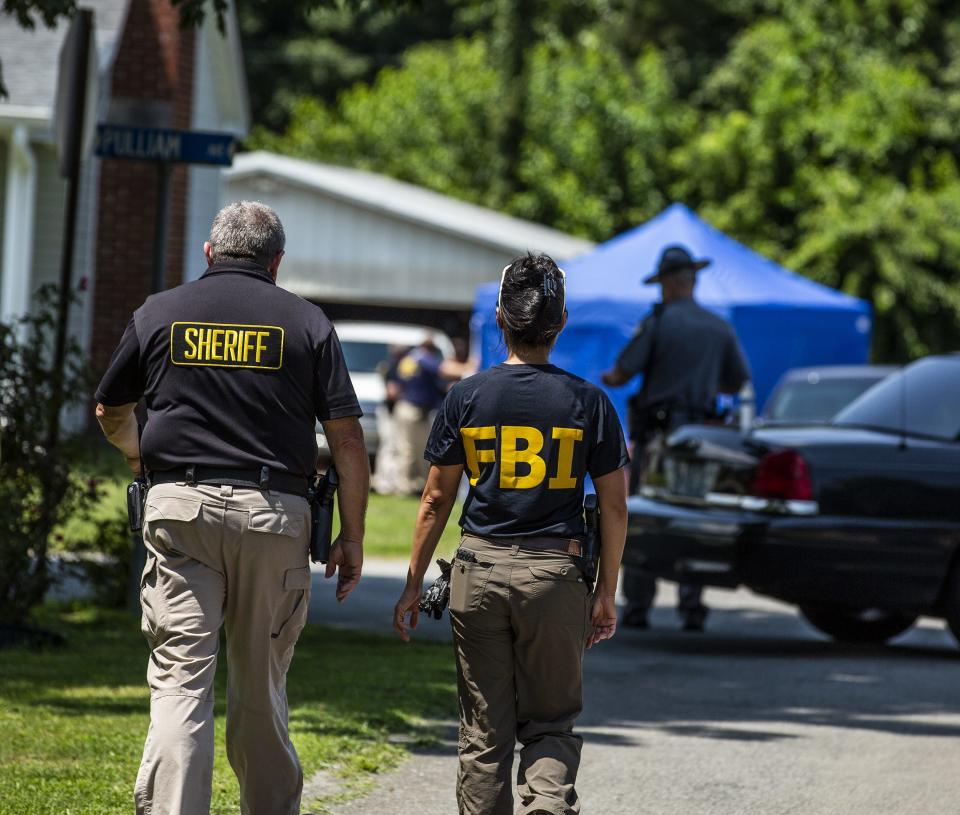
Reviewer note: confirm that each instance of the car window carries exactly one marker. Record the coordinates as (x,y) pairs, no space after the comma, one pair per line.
(817,401)
(363,357)
(922,399)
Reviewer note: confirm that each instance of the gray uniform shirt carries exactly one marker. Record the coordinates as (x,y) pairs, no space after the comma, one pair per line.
(688,356)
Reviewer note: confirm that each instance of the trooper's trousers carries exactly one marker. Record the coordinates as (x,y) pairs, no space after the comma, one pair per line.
(520,621)
(221,556)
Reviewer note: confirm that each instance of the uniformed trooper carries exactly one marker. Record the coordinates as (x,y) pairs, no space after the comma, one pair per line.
(234,373)
(687,355)
(527,433)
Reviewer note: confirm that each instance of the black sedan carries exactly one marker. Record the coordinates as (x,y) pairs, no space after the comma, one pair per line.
(857,522)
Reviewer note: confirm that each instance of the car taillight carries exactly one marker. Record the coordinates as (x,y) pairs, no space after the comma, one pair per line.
(784,475)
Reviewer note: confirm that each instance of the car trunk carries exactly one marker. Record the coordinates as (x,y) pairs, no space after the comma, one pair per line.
(699,463)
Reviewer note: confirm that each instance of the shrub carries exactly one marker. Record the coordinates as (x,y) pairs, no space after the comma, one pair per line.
(36,490)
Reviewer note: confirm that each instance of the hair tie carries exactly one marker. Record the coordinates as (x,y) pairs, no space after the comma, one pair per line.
(550,288)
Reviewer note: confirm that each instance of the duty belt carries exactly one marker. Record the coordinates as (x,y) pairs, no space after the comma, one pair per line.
(261,479)
(569,546)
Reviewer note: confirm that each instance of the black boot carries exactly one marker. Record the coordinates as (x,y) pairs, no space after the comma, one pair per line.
(635,616)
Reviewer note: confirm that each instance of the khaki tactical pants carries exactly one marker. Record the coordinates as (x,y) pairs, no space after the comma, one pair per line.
(520,621)
(221,556)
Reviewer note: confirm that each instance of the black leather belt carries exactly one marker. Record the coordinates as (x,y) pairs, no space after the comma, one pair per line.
(262,479)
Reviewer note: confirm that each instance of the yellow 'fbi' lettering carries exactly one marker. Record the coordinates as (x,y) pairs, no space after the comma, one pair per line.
(511,455)
(568,437)
(475,457)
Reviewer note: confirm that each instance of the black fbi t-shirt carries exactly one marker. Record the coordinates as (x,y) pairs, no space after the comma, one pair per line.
(527,435)
(234,372)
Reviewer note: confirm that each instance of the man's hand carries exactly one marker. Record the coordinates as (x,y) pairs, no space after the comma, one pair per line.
(346,558)
(604,620)
(614,378)
(409,602)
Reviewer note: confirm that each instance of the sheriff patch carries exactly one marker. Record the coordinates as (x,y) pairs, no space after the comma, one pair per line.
(227,345)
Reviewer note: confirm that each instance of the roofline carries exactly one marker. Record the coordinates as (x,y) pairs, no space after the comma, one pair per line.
(37,116)
(260,157)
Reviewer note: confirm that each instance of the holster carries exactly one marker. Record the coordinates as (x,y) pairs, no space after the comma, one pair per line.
(321,496)
(590,551)
(136,503)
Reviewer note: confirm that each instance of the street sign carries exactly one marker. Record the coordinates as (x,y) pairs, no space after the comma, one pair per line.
(159,144)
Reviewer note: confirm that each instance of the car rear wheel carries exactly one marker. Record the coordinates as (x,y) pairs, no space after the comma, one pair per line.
(869,625)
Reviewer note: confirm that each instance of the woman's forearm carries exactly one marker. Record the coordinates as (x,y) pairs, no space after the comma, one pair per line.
(613,534)
(432,517)
(612,503)
(438,499)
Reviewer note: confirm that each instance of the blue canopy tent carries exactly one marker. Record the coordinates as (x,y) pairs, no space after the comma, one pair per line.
(783,320)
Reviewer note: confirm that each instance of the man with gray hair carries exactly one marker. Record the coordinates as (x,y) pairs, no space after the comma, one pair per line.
(234,372)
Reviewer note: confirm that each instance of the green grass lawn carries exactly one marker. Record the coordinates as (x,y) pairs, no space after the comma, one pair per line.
(390,521)
(73,720)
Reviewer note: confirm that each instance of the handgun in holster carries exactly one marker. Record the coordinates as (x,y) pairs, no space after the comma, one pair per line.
(137,502)
(137,493)
(321,497)
(590,550)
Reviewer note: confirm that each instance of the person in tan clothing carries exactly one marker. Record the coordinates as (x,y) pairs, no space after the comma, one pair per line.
(234,372)
(527,434)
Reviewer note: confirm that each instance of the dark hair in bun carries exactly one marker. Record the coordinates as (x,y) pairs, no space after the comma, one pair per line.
(532,301)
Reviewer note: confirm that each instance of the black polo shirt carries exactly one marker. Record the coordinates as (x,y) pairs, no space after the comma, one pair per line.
(527,435)
(234,372)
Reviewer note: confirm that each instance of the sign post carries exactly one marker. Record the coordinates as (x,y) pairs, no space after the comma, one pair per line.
(163,147)
(73,91)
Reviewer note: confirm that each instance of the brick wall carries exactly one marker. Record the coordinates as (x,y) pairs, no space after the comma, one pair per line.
(152,85)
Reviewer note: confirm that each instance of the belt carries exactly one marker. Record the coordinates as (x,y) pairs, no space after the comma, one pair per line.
(262,479)
(569,546)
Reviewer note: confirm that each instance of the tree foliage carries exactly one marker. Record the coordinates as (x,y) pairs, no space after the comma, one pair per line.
(819,132)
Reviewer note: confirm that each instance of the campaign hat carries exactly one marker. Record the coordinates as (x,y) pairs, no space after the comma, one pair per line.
(673,259)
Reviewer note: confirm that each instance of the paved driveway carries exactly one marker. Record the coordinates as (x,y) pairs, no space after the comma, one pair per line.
(758,715)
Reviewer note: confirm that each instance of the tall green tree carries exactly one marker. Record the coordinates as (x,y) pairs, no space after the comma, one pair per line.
(826,142)
(819,132)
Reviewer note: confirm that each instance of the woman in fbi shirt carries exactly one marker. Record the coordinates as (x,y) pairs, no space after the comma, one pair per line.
(527,434)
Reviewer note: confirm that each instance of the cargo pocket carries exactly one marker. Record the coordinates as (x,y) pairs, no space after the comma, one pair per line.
(161,515)
(170,508)
(468,581)
(150,602)
(272,521)
(292,610)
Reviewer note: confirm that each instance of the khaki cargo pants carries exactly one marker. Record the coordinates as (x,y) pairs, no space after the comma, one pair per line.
(221,556)
(520,622)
